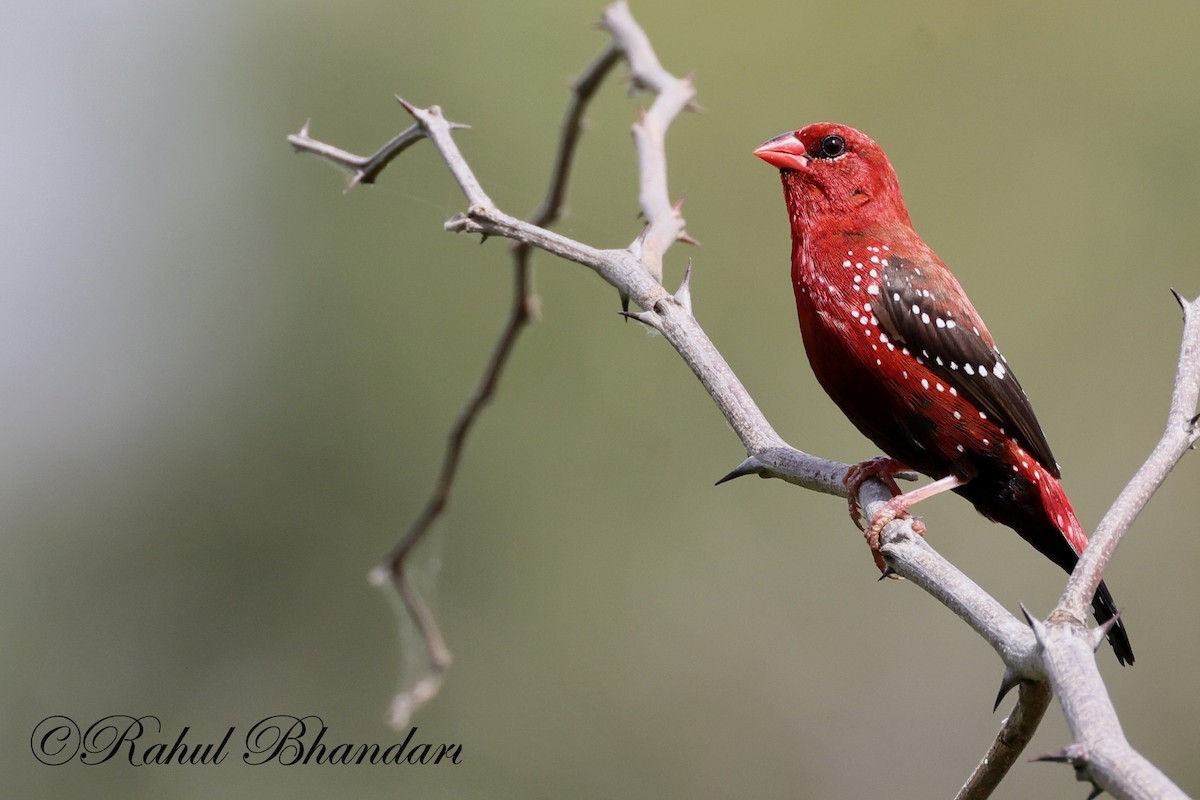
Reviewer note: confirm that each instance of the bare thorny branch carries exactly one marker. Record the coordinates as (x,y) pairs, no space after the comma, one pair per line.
(1038,657)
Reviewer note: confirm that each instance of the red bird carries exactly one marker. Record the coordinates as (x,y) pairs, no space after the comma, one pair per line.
(893,339)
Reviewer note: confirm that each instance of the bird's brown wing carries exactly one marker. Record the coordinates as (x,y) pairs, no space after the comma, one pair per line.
(937,323)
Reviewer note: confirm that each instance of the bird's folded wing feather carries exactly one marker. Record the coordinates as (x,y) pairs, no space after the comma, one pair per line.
(916,311)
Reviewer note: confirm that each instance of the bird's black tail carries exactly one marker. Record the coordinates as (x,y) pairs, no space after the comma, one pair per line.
(1104,609)
(1020,508)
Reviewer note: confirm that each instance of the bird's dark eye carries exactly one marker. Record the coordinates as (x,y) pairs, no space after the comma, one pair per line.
(831,146)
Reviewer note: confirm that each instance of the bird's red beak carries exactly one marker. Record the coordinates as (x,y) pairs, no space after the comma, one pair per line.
(785,151)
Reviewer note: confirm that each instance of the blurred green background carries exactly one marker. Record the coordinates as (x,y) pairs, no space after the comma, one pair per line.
(228,385)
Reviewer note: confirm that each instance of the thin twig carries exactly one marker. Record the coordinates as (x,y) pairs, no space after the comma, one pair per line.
(392,570)
(665,223)
(522,311)
(364,168)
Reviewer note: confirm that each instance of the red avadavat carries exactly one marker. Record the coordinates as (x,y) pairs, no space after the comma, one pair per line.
(895,342)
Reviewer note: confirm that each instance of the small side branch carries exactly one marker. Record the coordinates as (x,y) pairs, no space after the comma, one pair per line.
(522,311)
(665,223)
(484,218)
(364,169)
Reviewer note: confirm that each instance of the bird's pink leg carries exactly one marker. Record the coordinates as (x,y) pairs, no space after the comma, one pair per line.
(885,469)
(898,506)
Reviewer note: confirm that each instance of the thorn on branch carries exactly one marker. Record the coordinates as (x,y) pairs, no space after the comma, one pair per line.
(650,320)
(1007,683)
(888,572)
(1035,624)
(1071,754)
(1102,630)
(751,466)
(407,106)
(692,105)
(683,295)
(462,223)
(1076,756)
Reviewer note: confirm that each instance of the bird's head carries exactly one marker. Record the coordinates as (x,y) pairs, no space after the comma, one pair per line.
(833,169)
